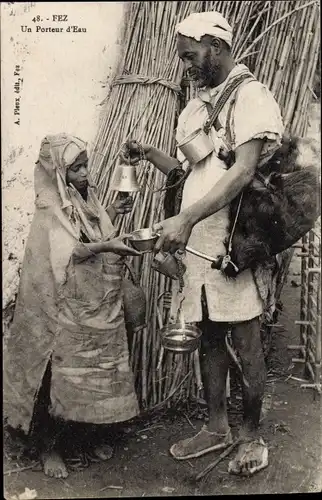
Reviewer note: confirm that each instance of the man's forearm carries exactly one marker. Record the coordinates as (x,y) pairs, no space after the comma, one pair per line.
(161,160)
(224,191)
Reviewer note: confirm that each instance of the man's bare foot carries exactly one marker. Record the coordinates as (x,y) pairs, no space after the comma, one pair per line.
(53,465)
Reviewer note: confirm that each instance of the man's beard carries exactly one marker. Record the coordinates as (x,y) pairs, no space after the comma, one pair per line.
(208,73)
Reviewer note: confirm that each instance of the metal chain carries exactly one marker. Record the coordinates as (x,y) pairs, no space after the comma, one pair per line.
(143,158)
(227,258)
(235,222)
(179,256)
(141,150)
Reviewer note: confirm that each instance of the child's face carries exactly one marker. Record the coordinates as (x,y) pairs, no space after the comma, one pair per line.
(77,173)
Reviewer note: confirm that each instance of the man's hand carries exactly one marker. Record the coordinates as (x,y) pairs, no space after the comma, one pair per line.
(174,234)
(130,152)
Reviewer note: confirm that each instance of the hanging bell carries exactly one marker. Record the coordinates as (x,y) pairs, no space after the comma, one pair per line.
(125,179)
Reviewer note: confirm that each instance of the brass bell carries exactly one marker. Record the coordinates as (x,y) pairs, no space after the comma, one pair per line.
(125,179)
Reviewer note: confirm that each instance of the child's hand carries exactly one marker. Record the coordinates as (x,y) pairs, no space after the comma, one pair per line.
(116,245)
(122,206)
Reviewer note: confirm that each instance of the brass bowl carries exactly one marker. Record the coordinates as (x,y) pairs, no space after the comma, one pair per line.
(176,338)
(143,240)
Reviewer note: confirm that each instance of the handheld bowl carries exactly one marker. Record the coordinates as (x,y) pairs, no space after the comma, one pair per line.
(143,240)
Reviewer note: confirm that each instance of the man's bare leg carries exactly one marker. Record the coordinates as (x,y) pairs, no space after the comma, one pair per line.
(214,365)
(252,455)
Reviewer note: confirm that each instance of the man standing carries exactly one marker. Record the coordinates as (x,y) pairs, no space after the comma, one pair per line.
(250,123)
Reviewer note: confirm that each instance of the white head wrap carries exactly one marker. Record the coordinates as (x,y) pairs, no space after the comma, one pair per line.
(206,23)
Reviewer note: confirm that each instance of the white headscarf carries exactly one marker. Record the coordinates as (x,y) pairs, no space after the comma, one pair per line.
(206,23)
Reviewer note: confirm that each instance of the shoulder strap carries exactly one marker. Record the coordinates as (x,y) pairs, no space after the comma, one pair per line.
(217,123)
(229,132)
(231,87)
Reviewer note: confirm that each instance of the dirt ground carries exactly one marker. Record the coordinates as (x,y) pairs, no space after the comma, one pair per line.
(142,466)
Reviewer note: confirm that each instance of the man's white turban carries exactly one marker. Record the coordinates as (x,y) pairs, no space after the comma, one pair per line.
(206,23)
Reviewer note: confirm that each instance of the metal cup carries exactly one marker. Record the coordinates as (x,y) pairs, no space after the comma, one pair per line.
(196,146)
(166,264)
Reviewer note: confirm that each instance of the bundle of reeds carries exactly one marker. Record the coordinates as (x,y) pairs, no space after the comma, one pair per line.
(280,43)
